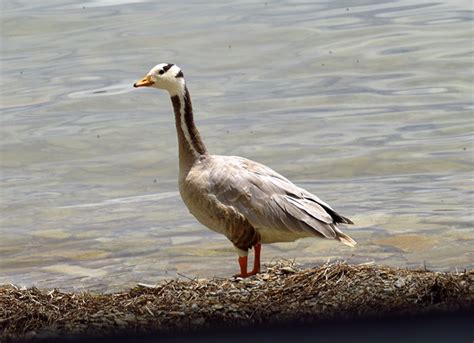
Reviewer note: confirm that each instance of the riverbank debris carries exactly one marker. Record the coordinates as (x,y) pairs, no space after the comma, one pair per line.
(285,292)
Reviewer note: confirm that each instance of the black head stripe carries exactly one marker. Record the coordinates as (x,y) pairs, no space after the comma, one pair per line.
(180,74)
(167,67)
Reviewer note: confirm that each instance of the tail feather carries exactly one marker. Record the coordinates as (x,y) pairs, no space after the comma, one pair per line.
(346,221)
(336,216)
(343,238)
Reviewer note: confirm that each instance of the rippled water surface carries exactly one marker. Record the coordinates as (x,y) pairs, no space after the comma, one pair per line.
(367,104)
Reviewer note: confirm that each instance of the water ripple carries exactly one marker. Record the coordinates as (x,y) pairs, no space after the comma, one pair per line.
(367,104)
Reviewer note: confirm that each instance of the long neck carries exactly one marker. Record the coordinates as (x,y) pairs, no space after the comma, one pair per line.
(190,144)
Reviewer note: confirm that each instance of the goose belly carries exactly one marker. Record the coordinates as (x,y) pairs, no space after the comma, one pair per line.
(208,219)
(206,211)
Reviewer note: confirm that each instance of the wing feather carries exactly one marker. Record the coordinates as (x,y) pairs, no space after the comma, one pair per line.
(269,200)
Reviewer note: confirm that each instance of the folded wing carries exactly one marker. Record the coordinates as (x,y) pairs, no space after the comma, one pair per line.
(270,201)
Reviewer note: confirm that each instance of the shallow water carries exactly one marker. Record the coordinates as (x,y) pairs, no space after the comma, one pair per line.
(368,106)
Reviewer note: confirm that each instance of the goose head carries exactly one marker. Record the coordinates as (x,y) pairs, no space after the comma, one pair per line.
(165,76)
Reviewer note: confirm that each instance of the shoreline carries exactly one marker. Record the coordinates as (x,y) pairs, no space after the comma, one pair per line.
(284,293)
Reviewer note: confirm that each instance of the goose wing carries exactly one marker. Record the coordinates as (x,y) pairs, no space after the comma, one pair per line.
(269,200)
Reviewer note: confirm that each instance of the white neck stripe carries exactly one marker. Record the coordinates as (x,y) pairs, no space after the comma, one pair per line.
(184,126)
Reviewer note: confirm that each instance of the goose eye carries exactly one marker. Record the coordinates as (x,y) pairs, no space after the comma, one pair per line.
(161,72)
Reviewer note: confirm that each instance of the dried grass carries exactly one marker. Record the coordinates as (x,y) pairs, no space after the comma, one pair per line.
(285,292)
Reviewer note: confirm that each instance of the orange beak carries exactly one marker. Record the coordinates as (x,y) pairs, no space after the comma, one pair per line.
(145,82)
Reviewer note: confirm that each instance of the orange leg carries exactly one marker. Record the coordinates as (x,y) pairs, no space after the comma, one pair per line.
(243,266)
(256,263)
